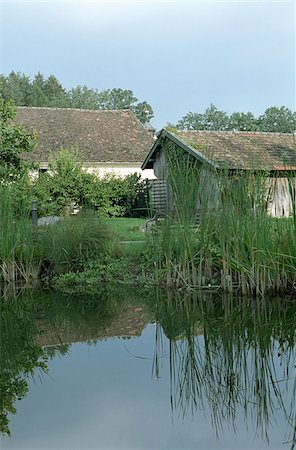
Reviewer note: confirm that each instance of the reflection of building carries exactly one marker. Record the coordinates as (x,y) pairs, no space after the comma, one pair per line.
(129,323)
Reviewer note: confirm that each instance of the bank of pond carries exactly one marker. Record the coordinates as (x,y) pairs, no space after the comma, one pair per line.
(78,369)
(228,242)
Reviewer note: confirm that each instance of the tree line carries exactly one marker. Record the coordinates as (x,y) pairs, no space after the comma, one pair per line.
(274,119)
(49,92)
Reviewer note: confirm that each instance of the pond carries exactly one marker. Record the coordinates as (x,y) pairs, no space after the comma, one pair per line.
(123,368)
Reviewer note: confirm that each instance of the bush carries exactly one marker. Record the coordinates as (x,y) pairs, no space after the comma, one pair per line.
(67,184)
(113,196)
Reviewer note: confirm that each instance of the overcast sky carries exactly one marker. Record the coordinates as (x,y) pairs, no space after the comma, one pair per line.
(180,56)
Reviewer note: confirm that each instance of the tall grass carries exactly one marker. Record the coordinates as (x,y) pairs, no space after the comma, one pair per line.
(70,245)
(18,257)
(218,232)
(27,252)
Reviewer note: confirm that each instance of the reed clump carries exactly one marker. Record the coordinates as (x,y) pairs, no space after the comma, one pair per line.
(18,254)
(218,232)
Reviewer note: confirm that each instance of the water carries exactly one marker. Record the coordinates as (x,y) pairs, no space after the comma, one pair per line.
(125,369)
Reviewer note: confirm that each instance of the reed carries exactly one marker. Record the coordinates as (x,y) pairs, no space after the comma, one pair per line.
(218,232)
(18,255)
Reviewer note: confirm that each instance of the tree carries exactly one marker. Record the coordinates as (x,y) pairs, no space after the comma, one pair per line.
(212,119)
(116,99)
(82,97)
(215,119)
(125,99)
(50,92)
(14,140)
(143,111)
(274,119)
(54,92)
(240,121)
(280,120)
(192,121)
(15,87)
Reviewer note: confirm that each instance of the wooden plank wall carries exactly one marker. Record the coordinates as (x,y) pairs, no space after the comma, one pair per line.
(282,196)
(159,196)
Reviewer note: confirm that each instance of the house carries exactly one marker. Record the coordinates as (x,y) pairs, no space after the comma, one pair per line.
(108,141)
(271,153)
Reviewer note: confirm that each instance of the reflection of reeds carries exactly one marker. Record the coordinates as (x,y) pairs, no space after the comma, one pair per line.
(232,356)
(219,232)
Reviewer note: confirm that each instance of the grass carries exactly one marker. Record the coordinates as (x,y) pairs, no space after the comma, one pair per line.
(68,246)
(127,229)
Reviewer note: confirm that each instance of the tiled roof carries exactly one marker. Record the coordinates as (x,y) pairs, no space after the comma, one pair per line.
(243,150)
(100,136)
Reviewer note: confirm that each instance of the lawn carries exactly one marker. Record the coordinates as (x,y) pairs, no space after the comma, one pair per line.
(128,229)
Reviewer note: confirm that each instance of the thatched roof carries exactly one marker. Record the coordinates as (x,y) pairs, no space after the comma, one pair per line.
(235,150)
(100,136)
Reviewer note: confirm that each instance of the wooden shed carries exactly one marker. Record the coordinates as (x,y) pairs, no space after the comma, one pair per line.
(273,154)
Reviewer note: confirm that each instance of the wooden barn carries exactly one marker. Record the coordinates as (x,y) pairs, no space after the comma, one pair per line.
(273,154)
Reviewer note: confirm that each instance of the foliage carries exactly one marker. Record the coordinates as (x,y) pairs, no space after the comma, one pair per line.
(125,99)
(280,120)
(66,184)
(62,186)
(117,197)
(239,121)
(130,264)
(274,119)
(14,140)
(49,92)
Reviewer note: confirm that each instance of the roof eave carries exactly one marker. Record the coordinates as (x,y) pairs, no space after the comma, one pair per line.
(177,140)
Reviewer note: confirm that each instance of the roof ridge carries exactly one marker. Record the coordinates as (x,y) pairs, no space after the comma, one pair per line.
(75,109)
(234,132)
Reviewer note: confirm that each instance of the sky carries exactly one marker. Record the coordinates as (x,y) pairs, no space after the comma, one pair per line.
(179,56)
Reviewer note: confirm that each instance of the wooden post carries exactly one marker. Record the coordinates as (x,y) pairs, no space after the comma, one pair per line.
(34,213)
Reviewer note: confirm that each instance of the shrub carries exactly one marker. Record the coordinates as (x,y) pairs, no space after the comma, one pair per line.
(113,196)
(66,184)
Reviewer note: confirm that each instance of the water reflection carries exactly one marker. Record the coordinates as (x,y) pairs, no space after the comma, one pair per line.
(230,355)
(225,355)
(20,356)
(37,325)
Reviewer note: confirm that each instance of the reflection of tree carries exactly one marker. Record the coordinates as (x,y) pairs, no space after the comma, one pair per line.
(34,326)
(19,357)
(232,355)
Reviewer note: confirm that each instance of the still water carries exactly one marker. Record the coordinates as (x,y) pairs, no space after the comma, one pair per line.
(121,368)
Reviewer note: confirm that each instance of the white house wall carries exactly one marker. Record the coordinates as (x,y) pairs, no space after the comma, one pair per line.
(103,169)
